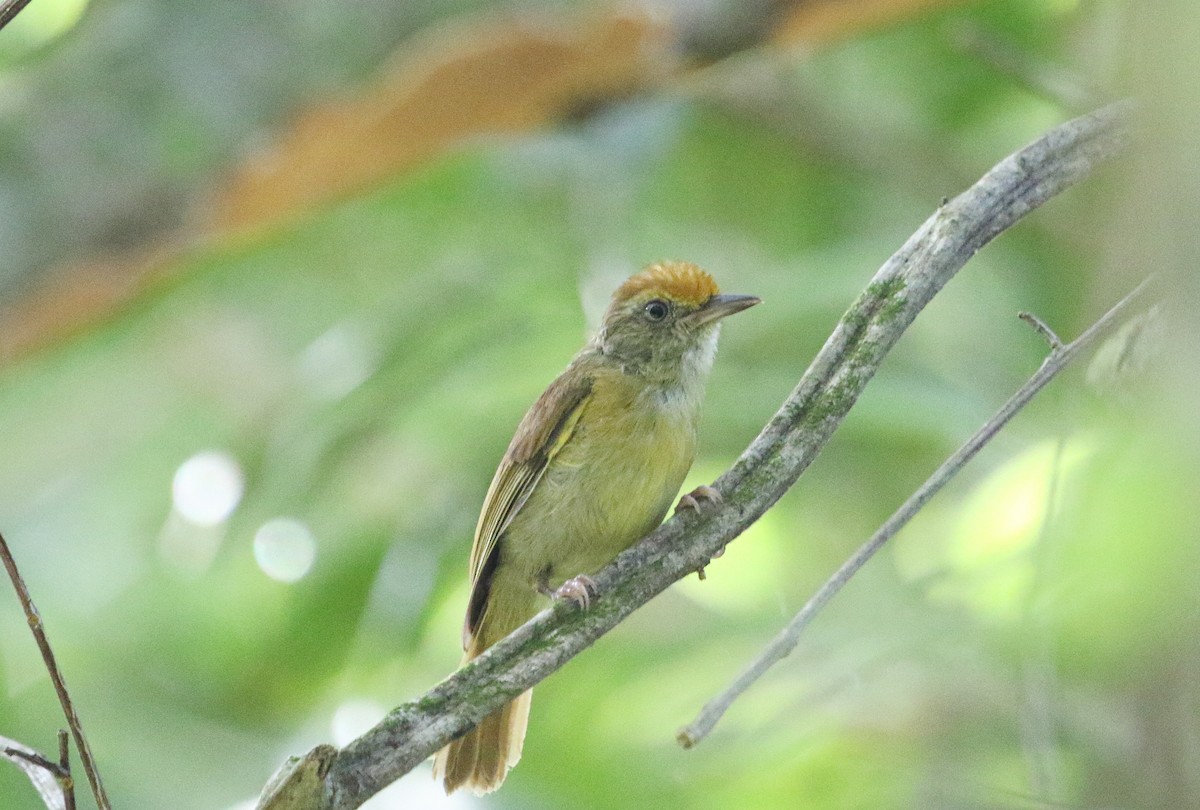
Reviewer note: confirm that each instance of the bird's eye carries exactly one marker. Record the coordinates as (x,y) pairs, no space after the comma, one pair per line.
(656,310)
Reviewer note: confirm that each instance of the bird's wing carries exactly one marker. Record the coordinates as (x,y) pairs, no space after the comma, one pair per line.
(544,431)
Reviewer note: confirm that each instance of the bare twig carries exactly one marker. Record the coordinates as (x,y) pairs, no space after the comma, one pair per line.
(60,686)
(787,445)
(10,9)
(65,780)
(60,771)
(34,758)
(45,776)
(789,637)
(1042,329)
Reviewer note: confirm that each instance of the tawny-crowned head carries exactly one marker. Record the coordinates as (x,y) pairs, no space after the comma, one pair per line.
(664,321)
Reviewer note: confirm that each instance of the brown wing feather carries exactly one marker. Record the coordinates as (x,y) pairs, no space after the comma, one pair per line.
(542,433)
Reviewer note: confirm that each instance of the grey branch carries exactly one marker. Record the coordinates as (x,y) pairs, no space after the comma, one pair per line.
(783,644)
(787,445)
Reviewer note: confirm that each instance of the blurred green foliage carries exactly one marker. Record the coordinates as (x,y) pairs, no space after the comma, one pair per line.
(1030,641)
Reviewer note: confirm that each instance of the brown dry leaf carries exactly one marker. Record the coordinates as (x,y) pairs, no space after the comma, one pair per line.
(479,76)
(483,74)
(71,297)
(487,74)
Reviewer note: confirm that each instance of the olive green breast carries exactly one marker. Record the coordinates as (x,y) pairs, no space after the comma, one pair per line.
(610,484)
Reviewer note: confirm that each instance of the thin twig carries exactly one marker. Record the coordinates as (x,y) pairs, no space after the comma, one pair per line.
(45,776)
(65,780)
(34,758)
(60,686)
(10,9)
(789,637)
(1042,329)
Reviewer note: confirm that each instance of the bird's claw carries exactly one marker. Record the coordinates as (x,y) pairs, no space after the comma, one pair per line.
(696,500)
(698,496)
(580,589)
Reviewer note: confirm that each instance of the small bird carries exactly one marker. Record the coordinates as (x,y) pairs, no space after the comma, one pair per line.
(593,468)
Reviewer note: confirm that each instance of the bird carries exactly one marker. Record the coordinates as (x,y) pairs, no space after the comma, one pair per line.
(593,467)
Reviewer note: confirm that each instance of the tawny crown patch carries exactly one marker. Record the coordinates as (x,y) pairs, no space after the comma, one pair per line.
(682,282)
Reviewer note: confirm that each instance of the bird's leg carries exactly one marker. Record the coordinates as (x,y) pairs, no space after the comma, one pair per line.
(580,589)
(693,500)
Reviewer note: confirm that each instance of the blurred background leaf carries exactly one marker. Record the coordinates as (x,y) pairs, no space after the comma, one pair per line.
(280,279)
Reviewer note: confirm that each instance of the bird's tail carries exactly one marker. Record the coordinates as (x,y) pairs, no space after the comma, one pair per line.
(480,759)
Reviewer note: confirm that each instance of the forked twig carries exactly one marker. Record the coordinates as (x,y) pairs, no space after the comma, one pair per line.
(782,645)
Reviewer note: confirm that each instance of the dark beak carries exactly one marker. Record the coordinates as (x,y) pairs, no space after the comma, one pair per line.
(721,305)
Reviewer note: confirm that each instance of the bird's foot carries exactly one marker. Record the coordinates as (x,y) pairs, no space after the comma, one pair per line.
(580,589)
(697,499)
